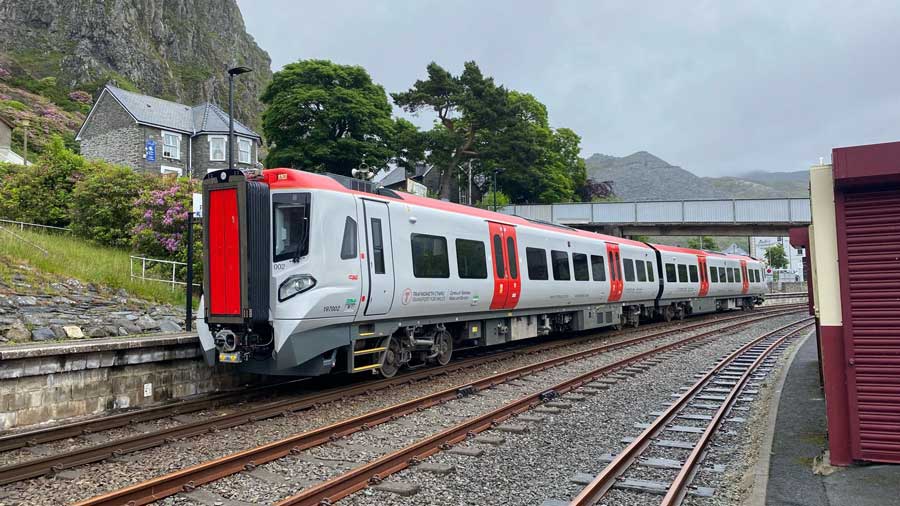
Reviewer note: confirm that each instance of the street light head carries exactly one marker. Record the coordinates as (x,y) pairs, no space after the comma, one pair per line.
(236,71)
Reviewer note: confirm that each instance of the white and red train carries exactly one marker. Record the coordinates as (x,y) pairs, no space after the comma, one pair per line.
(304,276)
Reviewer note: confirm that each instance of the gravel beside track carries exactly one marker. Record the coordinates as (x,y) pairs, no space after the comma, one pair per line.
(299,470)
(539,464)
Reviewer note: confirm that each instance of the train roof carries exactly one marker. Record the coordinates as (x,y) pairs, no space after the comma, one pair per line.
(691,251)
(282,178)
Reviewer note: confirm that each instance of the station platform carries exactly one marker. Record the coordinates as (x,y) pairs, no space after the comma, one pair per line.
(799,474)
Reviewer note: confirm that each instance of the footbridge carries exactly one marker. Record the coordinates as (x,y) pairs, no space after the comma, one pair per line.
(737,217)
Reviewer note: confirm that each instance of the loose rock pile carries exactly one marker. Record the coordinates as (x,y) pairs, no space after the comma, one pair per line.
(36,309)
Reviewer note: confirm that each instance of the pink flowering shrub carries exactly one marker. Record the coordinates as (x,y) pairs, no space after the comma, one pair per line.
(4,73)
(82,97)
(160,227)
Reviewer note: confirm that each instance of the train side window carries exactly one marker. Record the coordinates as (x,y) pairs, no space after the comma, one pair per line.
(560,260)
(598,268)
(737,275)
(714,275)
(580,266)
(348,244)
(722,275)
(430,258)
(730,273)
(629,269)
(641,270)
(511,256)
(693,270)
(536,258)
(670,273)
(499,268)
(682,273)
(378,247)
(650,276)
(470,259)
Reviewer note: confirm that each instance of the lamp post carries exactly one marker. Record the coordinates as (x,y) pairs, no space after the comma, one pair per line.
(497,170)
(234,71)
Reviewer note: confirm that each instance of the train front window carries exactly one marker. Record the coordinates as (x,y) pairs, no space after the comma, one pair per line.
(290,226)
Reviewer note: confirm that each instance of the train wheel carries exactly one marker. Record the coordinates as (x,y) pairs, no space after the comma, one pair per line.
(668,313)
(391,363)
(443,344)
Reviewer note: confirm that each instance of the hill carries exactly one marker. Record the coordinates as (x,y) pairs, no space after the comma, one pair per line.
(173,49)
(643,176)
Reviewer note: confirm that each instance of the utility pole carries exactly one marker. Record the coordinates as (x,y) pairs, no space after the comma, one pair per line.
(234,71)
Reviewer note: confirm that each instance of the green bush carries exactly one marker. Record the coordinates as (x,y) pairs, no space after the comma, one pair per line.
(487,200)
(40,193)
(102,203)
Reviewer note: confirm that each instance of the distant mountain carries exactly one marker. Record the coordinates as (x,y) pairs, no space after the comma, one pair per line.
(643,176)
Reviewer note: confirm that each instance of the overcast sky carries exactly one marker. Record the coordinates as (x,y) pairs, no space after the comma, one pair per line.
(719,88)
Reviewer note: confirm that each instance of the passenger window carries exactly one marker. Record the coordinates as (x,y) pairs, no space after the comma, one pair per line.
(348,245)
(682,273)
(378,247)
(629,270)
(470,259)
(714,275)
(722,275)
(499,268)
(730,272)
(580,266)
(612,267)
(693,271)
(737,275)
(670,273)
(560,261)
(598,268)
(511,257)
(650,271)
(537,263)
(430,259)
(641,270)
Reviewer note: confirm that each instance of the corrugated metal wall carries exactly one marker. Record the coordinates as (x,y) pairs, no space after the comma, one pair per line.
(871,278)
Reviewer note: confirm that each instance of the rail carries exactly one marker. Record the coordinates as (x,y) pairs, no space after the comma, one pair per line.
(21,226)
(154,264)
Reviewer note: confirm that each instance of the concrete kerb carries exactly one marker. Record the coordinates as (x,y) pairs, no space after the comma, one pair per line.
(760,471)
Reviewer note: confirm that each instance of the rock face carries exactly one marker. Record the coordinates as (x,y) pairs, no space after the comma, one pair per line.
(173,49)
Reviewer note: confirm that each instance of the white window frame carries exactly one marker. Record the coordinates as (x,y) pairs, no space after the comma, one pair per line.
(224,140)
(242,141)
(177,145)
(165,169)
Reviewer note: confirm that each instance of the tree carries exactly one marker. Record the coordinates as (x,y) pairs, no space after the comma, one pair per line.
(407,144)
(487,200)
(325,116)
(705,242)
(776,257)
(465,105)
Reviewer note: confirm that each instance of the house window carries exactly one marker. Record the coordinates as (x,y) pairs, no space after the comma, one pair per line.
(170,170)
(244,148)
(216,148)
(171,145)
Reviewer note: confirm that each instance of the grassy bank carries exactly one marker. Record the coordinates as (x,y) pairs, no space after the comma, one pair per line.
(71,257)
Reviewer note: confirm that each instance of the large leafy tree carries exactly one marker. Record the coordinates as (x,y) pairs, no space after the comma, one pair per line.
(776,256)
(465,105)
(326,117)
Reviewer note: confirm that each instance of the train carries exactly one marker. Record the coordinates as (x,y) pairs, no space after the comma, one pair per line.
(307,275)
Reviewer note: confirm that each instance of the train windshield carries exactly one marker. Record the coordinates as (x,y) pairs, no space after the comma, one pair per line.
(290,226)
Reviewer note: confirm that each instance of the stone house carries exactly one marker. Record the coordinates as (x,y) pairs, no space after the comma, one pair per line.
(154,135)
(6,152)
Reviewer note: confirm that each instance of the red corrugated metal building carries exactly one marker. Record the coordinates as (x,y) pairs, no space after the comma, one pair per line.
(855,245)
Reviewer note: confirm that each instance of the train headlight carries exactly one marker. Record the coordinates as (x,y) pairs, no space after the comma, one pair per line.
(294,285)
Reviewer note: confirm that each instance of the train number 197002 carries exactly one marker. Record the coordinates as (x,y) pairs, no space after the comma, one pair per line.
(332,309)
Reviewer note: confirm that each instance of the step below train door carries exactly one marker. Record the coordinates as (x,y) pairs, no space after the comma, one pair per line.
(379,258)
(500,266)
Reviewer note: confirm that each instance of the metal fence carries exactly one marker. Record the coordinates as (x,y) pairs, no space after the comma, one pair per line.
(21,225)
(160,271)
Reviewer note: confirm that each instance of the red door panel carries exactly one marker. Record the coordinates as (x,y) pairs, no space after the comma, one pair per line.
(745,282)
(704,280)
(224,253)
(498,257)
(615,272)
(514,275)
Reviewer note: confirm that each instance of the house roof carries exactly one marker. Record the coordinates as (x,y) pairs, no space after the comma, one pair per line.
(147,110)
(6,122)
(392,174)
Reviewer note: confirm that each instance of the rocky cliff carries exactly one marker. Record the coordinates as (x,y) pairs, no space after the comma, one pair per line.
(174,49)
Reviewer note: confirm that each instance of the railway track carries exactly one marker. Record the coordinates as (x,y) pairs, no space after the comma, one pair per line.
(706,394)
(30,438)
(190,478)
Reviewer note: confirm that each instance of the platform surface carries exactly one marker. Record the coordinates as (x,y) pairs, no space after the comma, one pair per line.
(800,437)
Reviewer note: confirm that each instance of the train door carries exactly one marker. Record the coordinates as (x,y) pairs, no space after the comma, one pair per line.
(380,258)
(704,276)
(745,281)
(504,255)
(616,285)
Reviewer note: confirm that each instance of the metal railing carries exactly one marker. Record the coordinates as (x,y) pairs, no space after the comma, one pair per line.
(21,226)
(155,266)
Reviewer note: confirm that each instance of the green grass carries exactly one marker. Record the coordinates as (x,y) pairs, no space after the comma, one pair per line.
(71,257)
